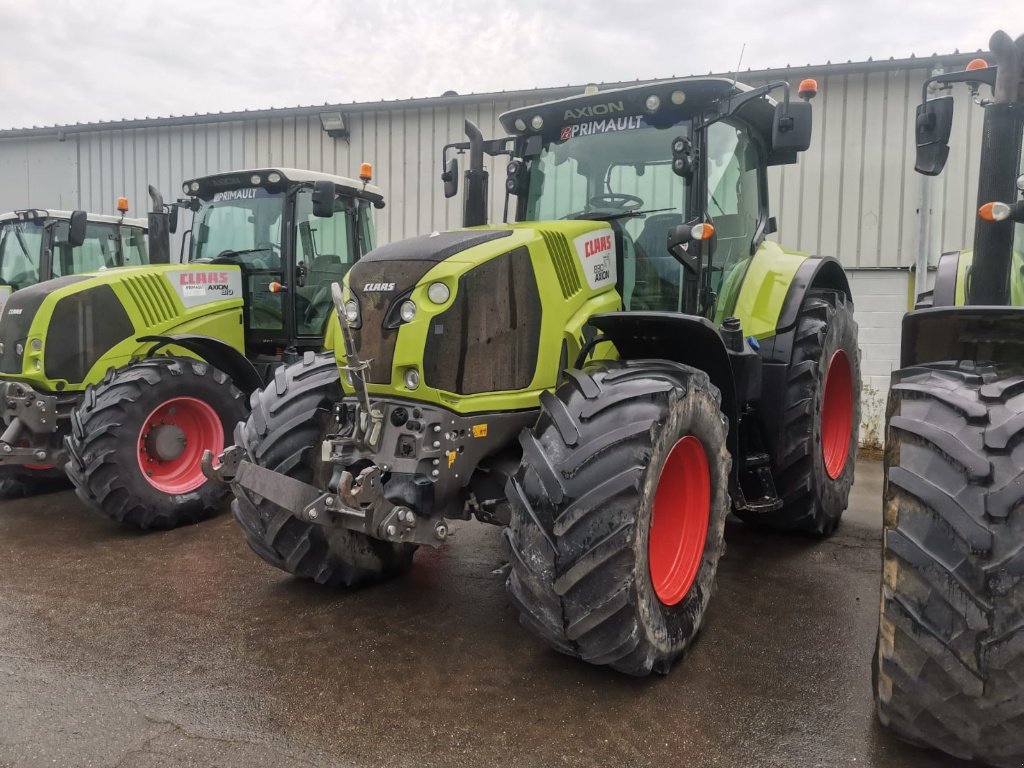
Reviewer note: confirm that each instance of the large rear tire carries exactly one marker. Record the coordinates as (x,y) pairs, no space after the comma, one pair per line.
(949,667)
(617,449)
(283,433)
(821,420)
(137,439)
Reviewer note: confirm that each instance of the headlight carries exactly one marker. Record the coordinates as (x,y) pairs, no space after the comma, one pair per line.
(407,312)
(19,348)
(412,378)
(352,311)
(438,293)
(537,122)
(273,178)
(653,103)
(194,186)
(36,344)
(255,179)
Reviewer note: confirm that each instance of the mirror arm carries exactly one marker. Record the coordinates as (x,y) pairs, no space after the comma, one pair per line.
(986,76)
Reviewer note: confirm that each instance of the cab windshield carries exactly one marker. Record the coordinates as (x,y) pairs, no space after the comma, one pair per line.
(241,226)
(625,168)
(20,247)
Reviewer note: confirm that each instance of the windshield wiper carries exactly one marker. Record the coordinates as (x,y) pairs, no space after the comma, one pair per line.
(612,215)
(228,253)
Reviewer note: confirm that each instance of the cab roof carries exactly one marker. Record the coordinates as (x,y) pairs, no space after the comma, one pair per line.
(243,178)
(31,214)
(698,94)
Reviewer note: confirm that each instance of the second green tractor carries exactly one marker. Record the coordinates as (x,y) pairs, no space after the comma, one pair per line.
(607,376)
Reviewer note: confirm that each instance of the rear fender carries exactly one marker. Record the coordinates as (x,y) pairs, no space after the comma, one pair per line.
(992,334)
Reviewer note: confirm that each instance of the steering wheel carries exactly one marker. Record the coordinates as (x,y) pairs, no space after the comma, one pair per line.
(618,200)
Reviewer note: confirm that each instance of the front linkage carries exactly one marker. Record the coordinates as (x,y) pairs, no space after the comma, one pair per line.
(427,453)
(33,434)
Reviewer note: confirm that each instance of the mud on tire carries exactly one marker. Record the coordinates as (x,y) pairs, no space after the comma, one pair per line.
(283,433)
(582,505)
(949,667)
(813,500)
(103,446)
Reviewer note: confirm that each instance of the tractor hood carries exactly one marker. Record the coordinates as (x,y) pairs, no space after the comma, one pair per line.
(56,332)
(461,312)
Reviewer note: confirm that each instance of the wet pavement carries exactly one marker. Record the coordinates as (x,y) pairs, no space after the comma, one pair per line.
(181,648)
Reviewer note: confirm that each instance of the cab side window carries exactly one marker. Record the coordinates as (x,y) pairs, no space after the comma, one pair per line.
(734,204)
(133,247)
(323,247)
(98,251)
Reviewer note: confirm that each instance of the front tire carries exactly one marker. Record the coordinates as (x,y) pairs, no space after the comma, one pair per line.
(618,512)
(138,436)
(283,433)
(949,665)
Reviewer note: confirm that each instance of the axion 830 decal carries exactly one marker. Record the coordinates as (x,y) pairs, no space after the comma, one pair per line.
(204,286)
(596,252)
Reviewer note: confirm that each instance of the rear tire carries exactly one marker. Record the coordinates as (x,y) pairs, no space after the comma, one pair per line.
(949,666)
(588,575)
(283,433)
(108,427)
(821,427)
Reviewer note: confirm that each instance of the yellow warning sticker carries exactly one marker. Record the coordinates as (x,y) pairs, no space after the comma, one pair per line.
(451,458)
(479,430)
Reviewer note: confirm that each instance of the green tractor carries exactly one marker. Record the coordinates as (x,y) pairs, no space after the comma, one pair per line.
(39,244)
(125,376)
(607,377)
(949,666)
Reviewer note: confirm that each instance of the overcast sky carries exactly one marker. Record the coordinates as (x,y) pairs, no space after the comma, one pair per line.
(66,61)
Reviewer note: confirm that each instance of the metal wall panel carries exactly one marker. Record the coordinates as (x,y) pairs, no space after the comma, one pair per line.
(853,195)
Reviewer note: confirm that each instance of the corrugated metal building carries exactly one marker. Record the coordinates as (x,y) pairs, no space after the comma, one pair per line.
(853,195)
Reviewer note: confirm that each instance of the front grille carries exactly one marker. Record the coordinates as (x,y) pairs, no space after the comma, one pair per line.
(83,328)
(379,286)
(487,340)
(152,297)
(563,261)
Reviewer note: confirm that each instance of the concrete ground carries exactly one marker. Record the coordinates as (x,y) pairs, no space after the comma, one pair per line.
(181,648)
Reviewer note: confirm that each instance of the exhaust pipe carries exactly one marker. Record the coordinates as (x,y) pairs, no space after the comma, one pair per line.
(159,221)
(474,212)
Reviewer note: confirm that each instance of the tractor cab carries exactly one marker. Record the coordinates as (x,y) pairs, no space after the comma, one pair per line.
(649,160)
(292,233)
(39,244)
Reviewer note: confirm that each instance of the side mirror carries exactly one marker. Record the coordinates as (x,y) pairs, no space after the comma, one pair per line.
(323,199)
(76,231)
(172,218)
(202,235)
(931,134)
(791,127)
(450,177)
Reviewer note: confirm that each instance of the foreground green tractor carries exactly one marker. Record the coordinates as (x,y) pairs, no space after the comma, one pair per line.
(607,377)
(949,669)
(39,244)
(127,375)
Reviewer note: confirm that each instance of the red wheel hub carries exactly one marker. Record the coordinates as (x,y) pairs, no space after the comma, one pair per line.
(172,440)
(837,414)
(679,522)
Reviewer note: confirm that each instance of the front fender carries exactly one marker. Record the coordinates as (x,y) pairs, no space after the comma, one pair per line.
(685,339)
(218,354)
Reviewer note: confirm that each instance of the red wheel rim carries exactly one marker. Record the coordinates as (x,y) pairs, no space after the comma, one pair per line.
(679,522)
(837,414)
(172,440)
